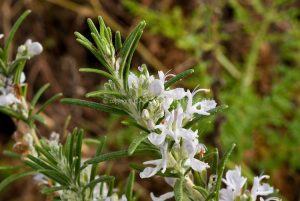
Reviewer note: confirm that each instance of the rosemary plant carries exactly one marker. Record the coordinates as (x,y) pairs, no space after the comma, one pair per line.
(58,168)
(165,115)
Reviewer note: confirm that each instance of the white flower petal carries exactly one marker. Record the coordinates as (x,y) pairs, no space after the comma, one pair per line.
(226,194)
(162,197)
(34,49)
(198,165)
(170,180)
(149,172)
(156,139)
(175,94)
(259,189)
(207,105)
(8,99)
(133,80)
(234,180)
(1,36)
(156,87)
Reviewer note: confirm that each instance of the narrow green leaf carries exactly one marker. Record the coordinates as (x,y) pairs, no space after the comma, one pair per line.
(48,102)
(129,47)
(136,142)
(101,143)
(128,58)
(19,71)
(107,157)
(78,150)
(92,27)
(101,93)
(94,51)
(40,163)
(47,190)
(43,150)
(13,66)
(100,72)
(129,185)
(178,77)
(11,113)
(178,189)
(135,124)
(8,180)
(221,170)
(102,26)
(12,34)
(38,94)
(93,105)
(118,41)
(56,176)
(11,154)
(5,168)
(3,69)
(215,162)
(210,196)
(101,44)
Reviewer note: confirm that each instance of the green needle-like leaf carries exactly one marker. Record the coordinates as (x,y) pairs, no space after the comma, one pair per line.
(93,105)
(11,113)
(48,102)
(5,182)
(38,94)
(47,190)
(221,170)
(12,34)
(128,49)
(101,93)
(178,77)
(100,72)
(129,185)
(107,157)
(118,41)
(136,142)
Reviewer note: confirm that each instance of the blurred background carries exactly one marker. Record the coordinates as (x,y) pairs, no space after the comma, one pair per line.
(246,51)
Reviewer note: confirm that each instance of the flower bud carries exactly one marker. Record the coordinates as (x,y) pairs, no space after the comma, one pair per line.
(30,49)
(145,114)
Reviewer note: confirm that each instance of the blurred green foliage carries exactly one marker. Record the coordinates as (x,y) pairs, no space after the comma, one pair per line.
(255,46)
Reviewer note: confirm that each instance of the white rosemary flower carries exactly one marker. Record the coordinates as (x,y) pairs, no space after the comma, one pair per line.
(157,88)
(173,127)
(160,164)
(163,197)
(234,188)
(54,140)
(234,182)
(7,99)
(192,147)
(259,189)
(103,195)
(30,49)
(40,179)
(7,92)
(201,107)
